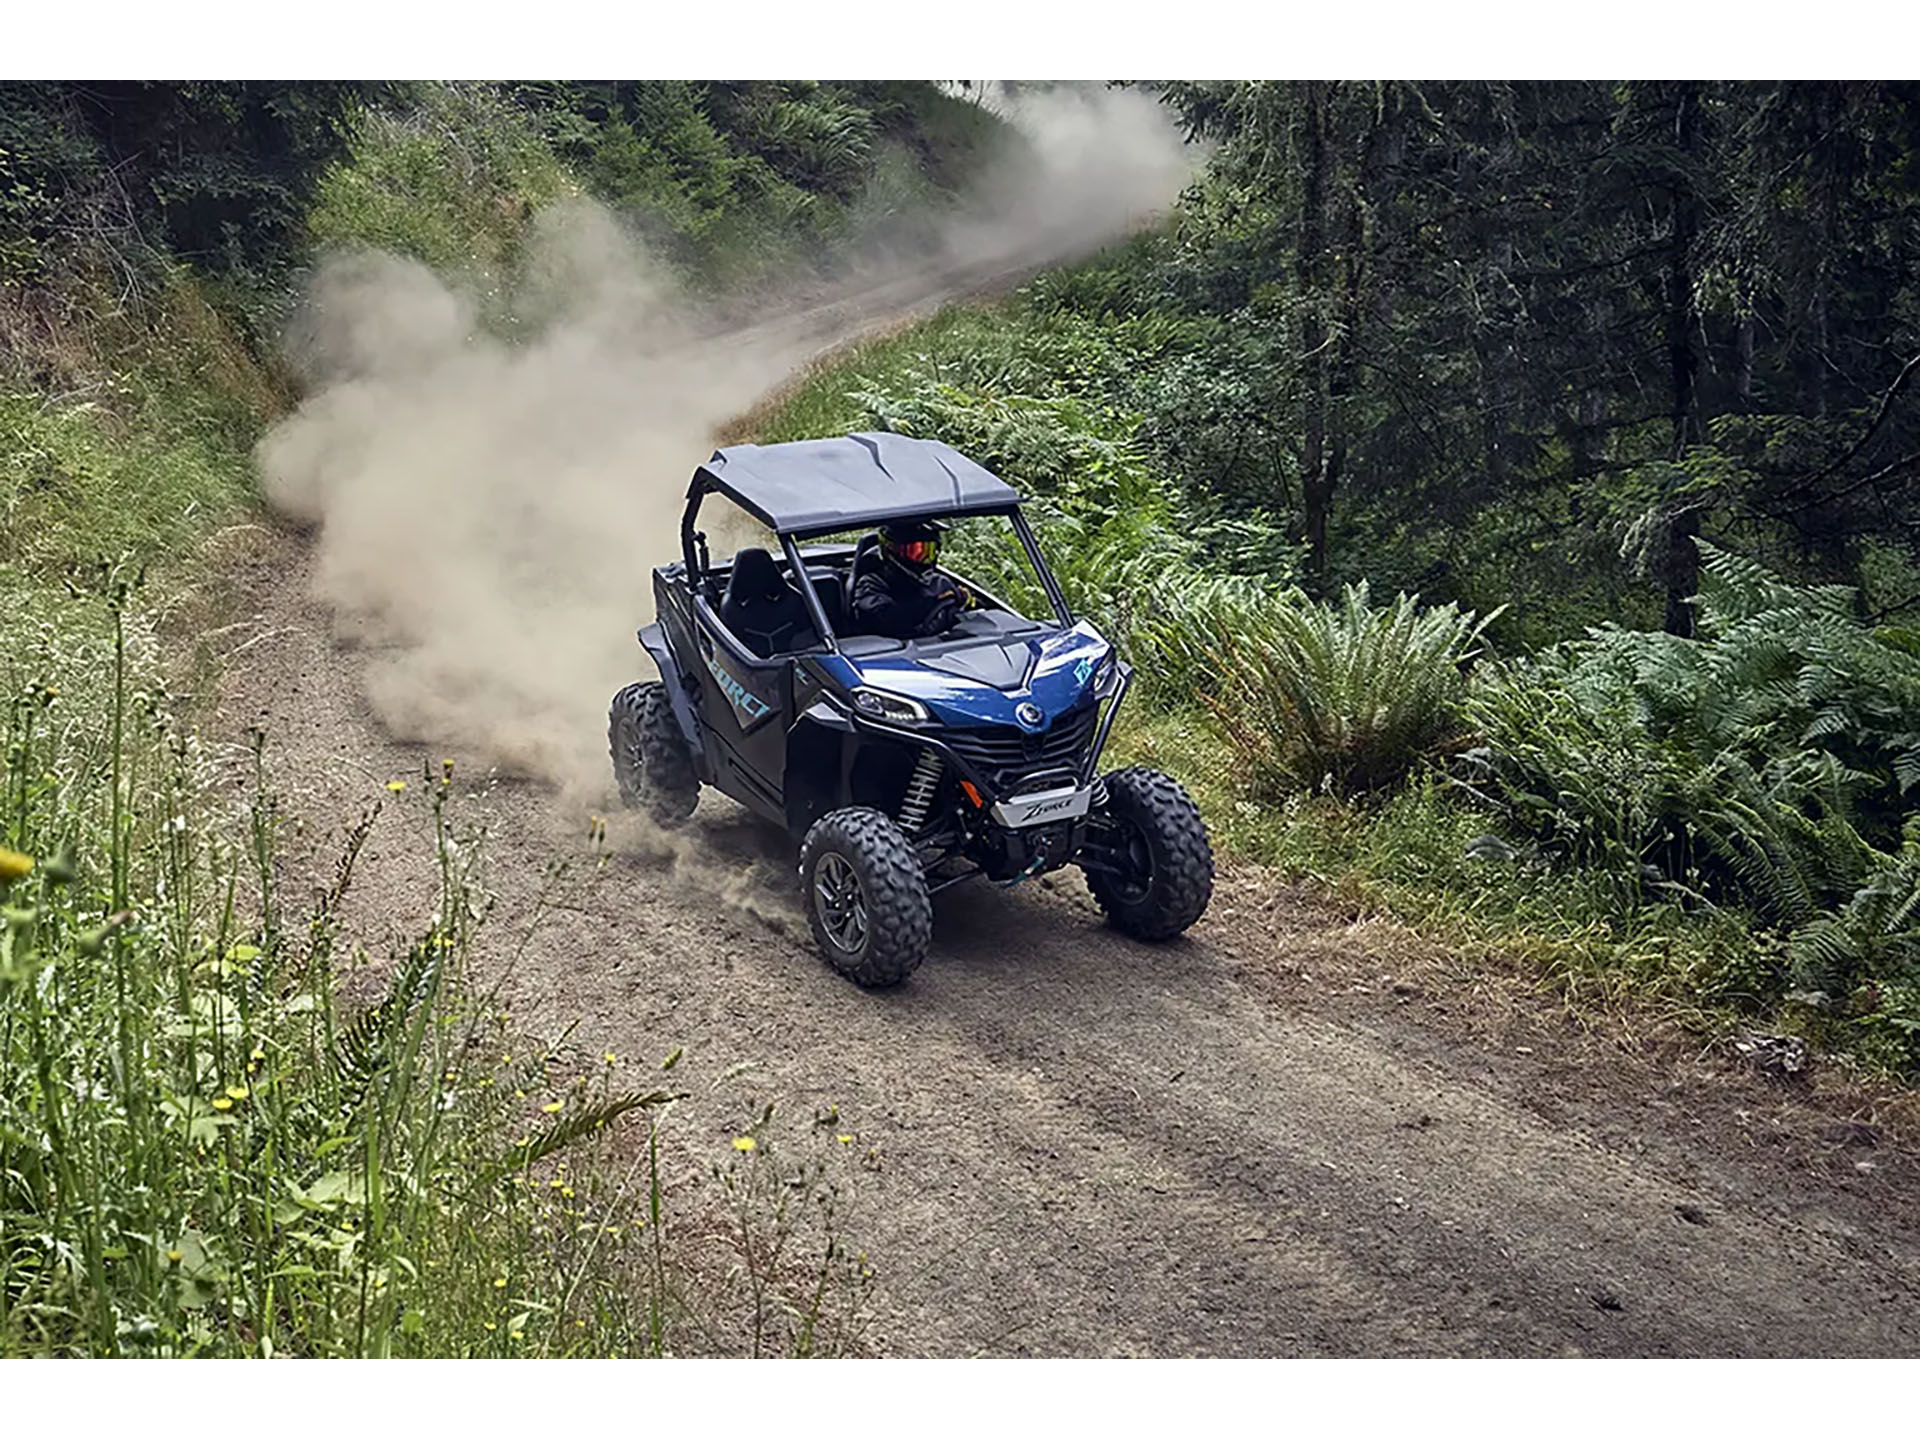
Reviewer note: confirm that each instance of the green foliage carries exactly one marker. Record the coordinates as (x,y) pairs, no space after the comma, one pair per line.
(1864,960)
(1760,766)
(1102,519)
(450,180)
(221,172)
(733,181)
(1345,697)
(815,137)
(1762,761)
(201,1153)
(1421,854)
(147,451)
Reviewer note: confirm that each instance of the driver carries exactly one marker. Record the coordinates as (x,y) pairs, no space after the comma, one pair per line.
(904,597)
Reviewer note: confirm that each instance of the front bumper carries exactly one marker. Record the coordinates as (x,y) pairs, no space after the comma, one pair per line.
(1042,807)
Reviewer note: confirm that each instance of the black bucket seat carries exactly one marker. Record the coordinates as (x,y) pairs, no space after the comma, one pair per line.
(762,609)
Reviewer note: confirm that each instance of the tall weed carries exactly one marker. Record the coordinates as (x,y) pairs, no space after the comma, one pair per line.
(203,1152)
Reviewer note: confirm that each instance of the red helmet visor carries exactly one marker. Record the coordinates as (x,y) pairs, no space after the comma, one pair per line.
(917,552)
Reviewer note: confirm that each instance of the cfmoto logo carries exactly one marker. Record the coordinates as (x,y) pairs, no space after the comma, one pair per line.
(1029,714)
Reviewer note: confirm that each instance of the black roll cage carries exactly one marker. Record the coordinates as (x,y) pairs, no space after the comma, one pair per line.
(693,549)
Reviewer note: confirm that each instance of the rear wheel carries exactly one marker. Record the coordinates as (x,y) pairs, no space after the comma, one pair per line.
(866,898)
(651,763)
(1160,875)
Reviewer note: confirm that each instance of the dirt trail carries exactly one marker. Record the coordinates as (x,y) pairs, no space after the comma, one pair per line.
(1241,1144)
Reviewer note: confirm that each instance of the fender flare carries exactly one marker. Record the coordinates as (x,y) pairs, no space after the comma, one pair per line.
(653,639)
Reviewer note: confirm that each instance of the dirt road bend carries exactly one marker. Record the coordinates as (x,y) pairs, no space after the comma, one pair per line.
(1246,1143)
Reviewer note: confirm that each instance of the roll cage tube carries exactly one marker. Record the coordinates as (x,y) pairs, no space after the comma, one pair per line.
(1039,563)
(797,563)
(693,544)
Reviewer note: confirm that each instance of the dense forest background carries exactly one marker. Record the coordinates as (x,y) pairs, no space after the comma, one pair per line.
(1523,344)
(1508,344)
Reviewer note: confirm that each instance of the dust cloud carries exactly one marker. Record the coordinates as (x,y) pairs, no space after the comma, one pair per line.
(487,511)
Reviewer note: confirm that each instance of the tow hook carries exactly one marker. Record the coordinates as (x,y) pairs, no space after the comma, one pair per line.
(1039,864)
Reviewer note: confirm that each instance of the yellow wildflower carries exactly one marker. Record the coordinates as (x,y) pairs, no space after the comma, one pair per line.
(500,1282)
(221,1102)
(236,1092)
(844,1139)
(743,1143)
(14,865)
(608,1057)
(174,1257)
(553,1107)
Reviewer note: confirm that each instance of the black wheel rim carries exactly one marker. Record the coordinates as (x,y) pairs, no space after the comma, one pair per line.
(1133,878)
(841,903)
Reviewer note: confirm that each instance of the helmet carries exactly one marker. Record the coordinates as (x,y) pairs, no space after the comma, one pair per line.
(913,543)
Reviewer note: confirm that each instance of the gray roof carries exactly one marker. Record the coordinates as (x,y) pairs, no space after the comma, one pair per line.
(817,486)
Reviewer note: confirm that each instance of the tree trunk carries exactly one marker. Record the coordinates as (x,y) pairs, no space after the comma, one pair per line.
(1316,475)
(1683,325)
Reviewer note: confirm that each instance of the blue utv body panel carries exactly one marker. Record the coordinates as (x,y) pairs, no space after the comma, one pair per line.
(1059,673)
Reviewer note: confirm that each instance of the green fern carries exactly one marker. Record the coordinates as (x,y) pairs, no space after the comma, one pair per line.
(1875,936)
(1344,698)
(1766,759)
(371,1045)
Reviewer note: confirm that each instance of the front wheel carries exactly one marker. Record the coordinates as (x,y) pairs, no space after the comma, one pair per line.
(865,896)
(1154,871)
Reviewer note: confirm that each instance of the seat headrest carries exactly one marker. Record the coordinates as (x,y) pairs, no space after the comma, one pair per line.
(756,576)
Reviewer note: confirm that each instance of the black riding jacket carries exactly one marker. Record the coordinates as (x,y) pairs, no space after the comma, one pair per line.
(890,600)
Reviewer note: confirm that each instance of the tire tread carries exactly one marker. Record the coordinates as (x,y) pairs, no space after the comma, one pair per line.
(651,762)
(899,909)
(1183,874)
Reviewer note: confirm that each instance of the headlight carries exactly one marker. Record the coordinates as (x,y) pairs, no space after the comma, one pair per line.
(895,709)
(1107,676)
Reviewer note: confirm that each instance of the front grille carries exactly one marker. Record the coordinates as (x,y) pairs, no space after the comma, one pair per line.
(1003,753)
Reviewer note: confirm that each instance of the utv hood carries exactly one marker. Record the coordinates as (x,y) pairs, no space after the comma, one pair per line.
(985,682)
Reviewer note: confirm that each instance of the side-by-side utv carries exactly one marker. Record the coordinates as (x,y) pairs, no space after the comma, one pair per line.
(903,766)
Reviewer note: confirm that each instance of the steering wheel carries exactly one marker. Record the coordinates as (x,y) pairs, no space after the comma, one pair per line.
(942,617)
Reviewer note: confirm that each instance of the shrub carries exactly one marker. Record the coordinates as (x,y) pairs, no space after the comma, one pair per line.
(1338,697)
(1761,763)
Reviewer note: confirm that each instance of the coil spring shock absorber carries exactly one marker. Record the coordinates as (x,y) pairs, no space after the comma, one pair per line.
(920,787)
